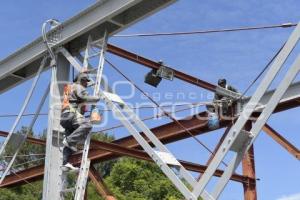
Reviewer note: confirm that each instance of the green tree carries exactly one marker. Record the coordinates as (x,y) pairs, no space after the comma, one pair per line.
(127,178)
(28,156)
(104,168)
(7,194)
(132,179)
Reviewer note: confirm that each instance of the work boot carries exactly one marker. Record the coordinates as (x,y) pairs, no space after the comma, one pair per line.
(69,167)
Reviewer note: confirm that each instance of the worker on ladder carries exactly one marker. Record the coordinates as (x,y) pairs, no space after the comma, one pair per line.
(224,103)
(76,126)
(222,106)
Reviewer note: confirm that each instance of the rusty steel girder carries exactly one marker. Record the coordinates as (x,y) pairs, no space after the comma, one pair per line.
(155,65)
(248,167)
(100,185)
(29,139)
(293,150)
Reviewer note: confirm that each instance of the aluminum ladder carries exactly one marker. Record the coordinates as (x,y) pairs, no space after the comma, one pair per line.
(85,161)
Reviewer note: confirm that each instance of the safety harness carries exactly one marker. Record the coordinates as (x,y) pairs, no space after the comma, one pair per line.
(67,103)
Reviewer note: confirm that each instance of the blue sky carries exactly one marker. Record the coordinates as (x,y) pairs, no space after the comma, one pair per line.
(237,56)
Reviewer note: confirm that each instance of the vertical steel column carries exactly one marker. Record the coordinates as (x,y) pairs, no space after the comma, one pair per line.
(53,174)
(249,170)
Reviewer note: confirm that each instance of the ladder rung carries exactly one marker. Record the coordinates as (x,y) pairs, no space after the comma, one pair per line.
(114,98)
(68,190)
(94,55)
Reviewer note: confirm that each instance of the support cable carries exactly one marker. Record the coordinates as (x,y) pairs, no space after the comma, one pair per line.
(105,110)
(24,115)
(120,126)
(262,71)
(23,179)
(165,112)
(26,155)
(24,163)
(27,182)
(144,119)
(284,25)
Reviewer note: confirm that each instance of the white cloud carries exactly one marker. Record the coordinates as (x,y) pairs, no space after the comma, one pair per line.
(290,197)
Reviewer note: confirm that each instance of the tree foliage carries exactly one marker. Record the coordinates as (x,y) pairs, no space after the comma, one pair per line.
(132,179)
(29,155)
(127,178)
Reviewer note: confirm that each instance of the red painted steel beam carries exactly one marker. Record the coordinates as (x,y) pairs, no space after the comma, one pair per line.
(29,139)
(248,165)
(23,177)
(155,65)
(101,188)
(290,104)
(282,141)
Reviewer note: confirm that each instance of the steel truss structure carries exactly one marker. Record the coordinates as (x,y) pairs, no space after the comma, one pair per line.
(112,16)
